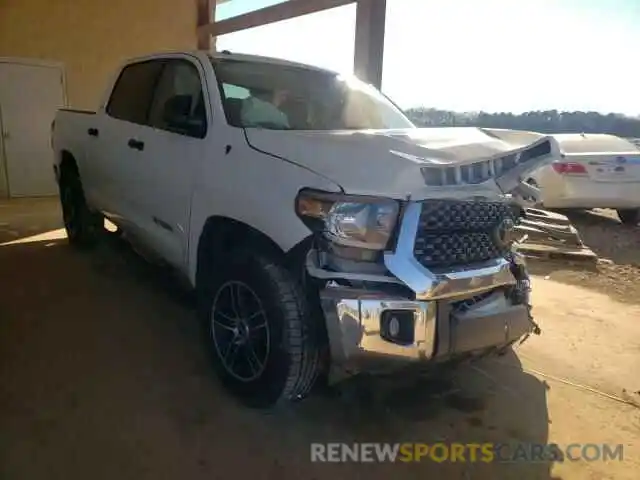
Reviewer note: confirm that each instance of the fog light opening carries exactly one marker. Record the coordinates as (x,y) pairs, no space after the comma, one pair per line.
(398,326)
(394,326)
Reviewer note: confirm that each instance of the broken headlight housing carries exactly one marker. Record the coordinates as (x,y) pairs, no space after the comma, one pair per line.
(348,220)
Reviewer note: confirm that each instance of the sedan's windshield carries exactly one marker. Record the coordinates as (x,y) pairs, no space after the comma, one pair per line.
(266,95)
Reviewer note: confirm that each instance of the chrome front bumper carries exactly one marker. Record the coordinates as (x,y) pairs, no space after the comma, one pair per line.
(440,330)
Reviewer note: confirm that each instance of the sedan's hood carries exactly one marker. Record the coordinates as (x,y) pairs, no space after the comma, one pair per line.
(413,163)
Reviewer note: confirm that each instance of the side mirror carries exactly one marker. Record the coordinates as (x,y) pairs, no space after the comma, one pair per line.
(177,116)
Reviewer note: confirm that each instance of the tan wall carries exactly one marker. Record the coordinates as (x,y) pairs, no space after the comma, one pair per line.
(91,37)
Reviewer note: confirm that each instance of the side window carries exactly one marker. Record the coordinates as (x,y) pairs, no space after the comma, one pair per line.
(133,91)
(178,104)
(235,91)
(234,96)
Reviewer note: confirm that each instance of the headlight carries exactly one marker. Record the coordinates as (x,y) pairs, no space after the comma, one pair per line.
(352,221)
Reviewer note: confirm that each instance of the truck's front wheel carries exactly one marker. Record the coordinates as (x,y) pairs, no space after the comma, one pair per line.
(258,331)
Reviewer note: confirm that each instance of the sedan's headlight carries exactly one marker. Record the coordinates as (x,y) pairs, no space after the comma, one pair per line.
(352,221)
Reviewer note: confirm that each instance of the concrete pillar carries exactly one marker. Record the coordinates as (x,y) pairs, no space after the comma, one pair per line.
(369,47)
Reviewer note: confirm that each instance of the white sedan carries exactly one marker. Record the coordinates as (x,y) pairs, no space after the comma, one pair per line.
(594,171)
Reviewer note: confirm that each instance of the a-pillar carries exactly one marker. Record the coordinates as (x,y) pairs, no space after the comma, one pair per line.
(369,42)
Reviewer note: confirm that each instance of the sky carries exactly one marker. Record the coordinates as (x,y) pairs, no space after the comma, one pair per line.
(471,55)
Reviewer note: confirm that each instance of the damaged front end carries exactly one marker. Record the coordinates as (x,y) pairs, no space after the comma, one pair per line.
(430,279)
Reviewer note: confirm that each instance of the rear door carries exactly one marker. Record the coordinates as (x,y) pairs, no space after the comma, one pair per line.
(117,142)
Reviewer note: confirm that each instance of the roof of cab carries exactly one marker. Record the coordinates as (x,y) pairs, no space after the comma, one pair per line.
(225,54)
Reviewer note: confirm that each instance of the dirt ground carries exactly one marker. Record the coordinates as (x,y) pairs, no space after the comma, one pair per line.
(102,377)
(618,248)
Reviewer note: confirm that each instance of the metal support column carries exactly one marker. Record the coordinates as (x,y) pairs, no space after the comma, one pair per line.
(206,14)
(369,47)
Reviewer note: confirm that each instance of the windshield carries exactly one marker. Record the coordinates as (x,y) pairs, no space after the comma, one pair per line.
(266,95)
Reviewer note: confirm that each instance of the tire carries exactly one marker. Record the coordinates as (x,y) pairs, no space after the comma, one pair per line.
(83,226)
(629,216)
(270,358)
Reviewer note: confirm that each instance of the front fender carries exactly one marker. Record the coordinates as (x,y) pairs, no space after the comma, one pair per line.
(256,189)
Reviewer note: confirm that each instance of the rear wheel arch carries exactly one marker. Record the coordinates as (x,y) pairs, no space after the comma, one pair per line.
(83,226)
(68,164)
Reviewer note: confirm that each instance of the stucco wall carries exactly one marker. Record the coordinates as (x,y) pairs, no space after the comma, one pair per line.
(91,37)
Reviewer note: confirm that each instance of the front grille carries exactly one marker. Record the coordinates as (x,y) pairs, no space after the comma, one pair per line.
(454,232)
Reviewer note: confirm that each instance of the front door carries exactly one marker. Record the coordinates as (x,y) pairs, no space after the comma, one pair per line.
(29,98)
(172,156)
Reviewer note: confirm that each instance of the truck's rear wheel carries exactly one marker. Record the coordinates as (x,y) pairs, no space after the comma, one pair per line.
(81,224)
(258,331)
(629,216)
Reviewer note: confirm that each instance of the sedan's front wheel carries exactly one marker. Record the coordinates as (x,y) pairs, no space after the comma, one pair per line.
(629,216)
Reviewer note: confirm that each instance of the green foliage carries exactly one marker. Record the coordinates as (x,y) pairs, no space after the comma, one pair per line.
(550,121)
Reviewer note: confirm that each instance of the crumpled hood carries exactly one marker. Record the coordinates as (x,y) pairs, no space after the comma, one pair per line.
(393,163)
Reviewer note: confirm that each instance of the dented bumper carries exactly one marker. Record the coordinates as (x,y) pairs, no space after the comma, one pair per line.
(442,316)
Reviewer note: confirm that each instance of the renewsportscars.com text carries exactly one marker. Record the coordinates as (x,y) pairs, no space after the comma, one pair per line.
(464,452)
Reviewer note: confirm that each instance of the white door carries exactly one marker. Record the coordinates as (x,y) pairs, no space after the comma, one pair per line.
(174,147)
(115,165)
(29,98)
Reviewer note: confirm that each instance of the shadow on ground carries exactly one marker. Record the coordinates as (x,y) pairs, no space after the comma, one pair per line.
(102,376)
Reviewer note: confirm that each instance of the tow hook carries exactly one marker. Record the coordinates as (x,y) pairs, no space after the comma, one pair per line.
(536,327)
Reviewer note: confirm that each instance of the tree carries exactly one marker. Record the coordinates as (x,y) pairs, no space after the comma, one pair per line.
(548,121)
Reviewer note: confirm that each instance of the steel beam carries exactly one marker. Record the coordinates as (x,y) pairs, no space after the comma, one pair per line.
(206,14)
(264,16)
(369,46)
(369,36)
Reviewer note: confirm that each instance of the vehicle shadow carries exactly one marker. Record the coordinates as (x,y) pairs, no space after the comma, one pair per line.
(488,401)
(106,346)
(491,401)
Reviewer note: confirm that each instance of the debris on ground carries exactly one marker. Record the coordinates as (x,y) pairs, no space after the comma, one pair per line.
(617,247)
(548,235)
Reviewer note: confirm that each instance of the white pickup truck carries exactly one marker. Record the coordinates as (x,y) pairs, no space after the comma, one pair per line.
(323,233)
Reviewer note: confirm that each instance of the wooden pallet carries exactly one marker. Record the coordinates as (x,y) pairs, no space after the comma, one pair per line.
(553,252)
(550,235)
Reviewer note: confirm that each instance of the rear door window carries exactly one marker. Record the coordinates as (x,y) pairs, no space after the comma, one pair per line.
(133,92)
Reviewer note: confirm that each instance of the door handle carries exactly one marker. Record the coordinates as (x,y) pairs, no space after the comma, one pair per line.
(136,144)
(93,132)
